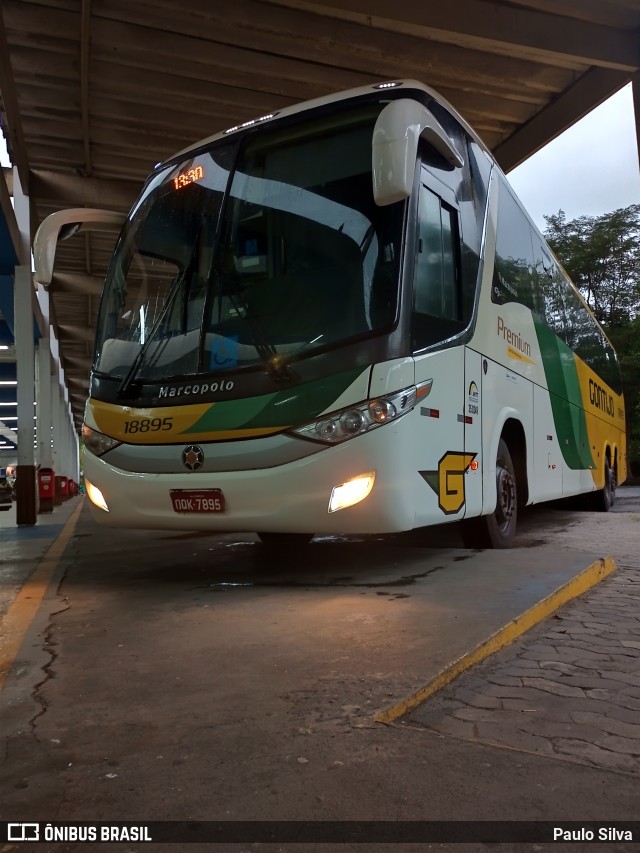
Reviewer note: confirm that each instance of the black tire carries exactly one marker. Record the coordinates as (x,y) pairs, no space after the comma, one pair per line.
(497,530)
(614,485)
(604,498)
(282,540)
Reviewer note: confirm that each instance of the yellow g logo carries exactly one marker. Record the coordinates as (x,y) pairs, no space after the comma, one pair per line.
(448,481)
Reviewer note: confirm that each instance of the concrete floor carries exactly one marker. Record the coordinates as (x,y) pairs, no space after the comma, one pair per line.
(193,677)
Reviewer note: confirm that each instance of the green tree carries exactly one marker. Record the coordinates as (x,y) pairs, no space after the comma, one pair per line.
(626,341)
(601,254)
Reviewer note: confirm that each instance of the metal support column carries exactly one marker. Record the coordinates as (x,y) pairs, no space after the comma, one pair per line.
(44,425)
(43,403)
(57,411)
(25,363)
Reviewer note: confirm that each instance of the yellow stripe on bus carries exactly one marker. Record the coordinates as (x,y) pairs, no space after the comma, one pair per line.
(605,421)
(165,425)
(161,425)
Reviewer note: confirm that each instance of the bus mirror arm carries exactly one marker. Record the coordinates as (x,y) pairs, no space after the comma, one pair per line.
(396,136)
(60,226)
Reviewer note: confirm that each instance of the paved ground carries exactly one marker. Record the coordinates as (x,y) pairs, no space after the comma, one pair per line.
(571,688)
(22,547)
(189,679)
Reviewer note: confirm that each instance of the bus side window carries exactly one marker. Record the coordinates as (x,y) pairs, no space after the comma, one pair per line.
(515,269)
(437,311)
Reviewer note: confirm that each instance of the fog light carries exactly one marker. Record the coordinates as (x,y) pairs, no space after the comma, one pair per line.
(351,492)
(95,496)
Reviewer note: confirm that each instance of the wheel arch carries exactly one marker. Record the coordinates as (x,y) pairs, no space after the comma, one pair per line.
(514,435)
(607,455)
(507,426)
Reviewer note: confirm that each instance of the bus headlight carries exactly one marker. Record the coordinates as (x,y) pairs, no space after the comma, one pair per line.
(355,420)
(351,492)
(96,442)
(95,495)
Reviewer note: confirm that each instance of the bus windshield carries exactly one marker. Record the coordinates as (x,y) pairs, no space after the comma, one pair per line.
(253,253)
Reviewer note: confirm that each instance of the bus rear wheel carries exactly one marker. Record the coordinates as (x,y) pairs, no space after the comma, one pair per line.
(604,498)
(497,530)
(281,540)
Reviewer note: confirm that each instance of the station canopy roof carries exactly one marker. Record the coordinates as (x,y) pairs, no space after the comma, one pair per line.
(95,92)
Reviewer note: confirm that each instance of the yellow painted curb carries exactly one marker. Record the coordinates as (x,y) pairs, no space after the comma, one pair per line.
(16,621)
(592,575)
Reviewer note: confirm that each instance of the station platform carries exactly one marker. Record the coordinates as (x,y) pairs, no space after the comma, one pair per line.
(23,547)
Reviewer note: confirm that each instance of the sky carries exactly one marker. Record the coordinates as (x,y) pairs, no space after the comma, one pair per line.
(590,169)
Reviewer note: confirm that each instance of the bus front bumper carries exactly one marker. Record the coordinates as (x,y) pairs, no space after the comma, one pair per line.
(290,498)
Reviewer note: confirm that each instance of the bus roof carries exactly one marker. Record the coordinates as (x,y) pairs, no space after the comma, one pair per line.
(409,85)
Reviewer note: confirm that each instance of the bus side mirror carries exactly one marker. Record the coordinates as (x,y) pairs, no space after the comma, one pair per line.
(62,225)
(396,135)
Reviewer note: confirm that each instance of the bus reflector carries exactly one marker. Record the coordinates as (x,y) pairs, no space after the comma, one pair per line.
(351,492)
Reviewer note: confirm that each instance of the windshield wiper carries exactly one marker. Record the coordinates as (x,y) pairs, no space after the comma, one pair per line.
(275,365)
(128,380)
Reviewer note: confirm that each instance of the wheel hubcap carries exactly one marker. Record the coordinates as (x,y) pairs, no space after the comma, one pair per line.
(506,497)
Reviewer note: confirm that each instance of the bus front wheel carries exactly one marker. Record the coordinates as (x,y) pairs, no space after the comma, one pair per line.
(497,530)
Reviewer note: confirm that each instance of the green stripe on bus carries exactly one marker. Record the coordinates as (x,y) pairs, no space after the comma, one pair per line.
(279,409)
(566,397)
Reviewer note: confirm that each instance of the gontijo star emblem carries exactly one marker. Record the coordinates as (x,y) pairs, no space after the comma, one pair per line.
(193,457)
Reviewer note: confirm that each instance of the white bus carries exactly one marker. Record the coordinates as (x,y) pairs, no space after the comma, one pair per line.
(338,318)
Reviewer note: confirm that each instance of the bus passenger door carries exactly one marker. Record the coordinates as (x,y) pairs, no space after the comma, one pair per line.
(436,319)
(472,414)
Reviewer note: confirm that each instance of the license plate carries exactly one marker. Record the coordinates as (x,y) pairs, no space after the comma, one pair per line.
(197,500)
